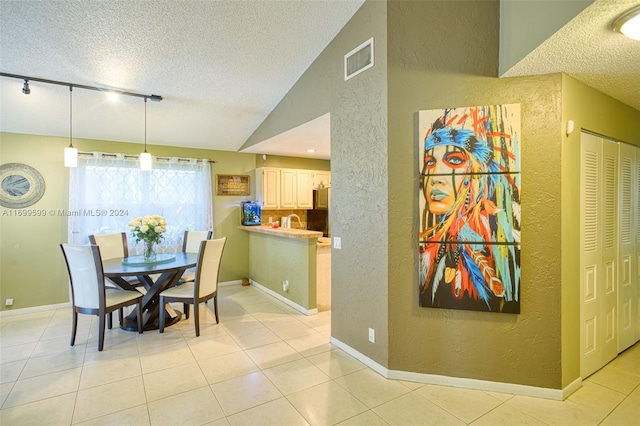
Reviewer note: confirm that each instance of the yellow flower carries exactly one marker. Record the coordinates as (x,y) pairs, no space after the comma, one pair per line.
(144,228)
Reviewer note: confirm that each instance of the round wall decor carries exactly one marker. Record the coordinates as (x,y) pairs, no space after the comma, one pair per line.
(20,185)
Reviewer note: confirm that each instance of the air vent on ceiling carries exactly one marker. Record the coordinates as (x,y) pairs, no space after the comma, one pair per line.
(358,60)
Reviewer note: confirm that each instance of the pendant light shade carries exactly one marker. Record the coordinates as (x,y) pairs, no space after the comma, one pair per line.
(145,157)
(70,152)
(145,161)
(70,157)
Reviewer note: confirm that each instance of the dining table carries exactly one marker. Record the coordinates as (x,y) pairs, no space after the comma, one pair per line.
(154,277)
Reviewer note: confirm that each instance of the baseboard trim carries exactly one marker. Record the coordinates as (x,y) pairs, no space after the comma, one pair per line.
(484,385)
(284,300)
(32,309)
(228,283)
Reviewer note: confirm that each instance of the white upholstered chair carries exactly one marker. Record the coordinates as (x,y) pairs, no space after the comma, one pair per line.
(191,244)
(88,292)
(203,288)
(113,246)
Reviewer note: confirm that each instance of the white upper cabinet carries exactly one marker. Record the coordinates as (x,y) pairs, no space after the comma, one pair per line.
(268,187)
(305,189)
(288,188)
(321,178)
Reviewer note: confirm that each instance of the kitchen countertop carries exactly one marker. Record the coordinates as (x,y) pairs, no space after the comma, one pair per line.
(283,232)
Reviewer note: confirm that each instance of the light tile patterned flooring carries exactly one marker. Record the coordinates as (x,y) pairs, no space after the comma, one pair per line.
(264,364)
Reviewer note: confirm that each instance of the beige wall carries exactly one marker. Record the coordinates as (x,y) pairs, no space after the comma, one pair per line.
(32,269)
(598,113)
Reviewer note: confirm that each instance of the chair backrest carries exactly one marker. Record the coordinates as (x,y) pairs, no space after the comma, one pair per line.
(208,267)
(111,245)
(192,240)
(85,275)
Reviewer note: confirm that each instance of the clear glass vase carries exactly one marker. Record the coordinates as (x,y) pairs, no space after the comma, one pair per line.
(149,251)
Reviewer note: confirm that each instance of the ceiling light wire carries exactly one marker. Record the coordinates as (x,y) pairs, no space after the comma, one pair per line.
(70,152)
(145,157)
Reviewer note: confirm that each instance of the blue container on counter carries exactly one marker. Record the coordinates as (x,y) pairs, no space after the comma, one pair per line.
(251,213)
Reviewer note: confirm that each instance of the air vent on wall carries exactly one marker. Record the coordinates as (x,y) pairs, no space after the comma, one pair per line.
(358,60)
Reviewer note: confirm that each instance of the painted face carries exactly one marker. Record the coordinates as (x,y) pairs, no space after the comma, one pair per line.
(445,166)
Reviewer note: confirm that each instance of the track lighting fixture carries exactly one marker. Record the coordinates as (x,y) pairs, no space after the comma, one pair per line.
(628,23)
(70,152)
(145,157)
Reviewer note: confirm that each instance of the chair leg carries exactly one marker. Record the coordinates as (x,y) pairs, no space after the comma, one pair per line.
(101,332)
(120,316)
(215,307)
(109,321)
(74,327)
(196,317)
(186,310)
(139,315)
(161,315)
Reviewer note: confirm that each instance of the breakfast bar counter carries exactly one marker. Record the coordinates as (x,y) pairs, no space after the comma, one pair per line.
(283,232)
(283,262)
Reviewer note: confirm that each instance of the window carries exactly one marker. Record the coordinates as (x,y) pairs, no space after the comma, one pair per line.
(106,191)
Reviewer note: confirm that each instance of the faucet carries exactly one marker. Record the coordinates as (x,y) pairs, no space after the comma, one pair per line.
(288,221)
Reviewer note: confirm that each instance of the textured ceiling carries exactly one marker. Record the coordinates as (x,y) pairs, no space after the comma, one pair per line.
(588,50)
(222,66)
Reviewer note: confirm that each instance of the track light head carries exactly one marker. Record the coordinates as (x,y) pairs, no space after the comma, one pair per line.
(25,88)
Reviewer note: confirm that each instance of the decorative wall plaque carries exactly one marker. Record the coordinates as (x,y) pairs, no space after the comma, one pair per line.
(232,185)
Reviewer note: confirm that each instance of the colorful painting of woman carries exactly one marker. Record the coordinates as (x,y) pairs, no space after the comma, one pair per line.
(470,208)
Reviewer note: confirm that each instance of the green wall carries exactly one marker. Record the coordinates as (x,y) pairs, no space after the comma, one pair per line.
(32,269)
(275,259)
(598,113)
(427,72)
(440,54)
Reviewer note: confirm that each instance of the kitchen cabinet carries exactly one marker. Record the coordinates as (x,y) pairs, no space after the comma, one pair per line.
(305,189)
(321,177)
(285,188)
(268,187)
(288,189)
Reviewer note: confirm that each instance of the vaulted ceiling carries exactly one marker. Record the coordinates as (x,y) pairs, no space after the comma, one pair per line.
(222,66)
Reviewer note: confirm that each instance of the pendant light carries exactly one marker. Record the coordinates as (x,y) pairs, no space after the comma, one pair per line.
(145,157)
(70,152)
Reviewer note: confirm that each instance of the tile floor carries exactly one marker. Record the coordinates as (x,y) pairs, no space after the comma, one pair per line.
(264,364)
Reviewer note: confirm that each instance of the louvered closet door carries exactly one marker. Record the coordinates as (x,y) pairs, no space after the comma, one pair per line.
(636,222)
(628,260)
(599,248)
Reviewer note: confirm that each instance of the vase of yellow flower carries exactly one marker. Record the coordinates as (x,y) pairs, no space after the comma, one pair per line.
(149,229)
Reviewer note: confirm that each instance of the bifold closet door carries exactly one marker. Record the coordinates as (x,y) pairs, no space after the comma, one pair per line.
(599,249)
(628,321)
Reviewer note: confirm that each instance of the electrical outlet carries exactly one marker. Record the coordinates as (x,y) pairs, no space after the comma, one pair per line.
(372,335)
(337,243)
(8,302)
(270,219)
(285,286)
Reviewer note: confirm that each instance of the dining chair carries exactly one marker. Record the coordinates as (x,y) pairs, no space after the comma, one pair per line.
(191,244)
(89,295)
(203,288)
(113,246)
